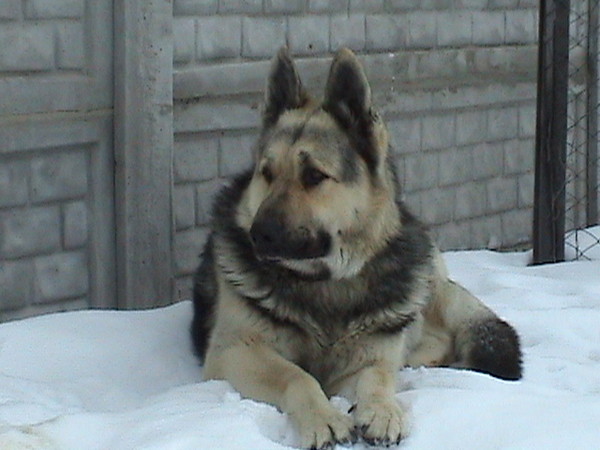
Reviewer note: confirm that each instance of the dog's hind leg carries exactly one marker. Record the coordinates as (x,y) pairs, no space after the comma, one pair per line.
(481,341)
(458,330)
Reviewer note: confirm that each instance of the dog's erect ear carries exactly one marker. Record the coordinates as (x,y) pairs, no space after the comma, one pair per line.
(348,100)
(284,88)
(347,93)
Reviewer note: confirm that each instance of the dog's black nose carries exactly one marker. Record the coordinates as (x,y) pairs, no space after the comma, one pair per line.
(267,236)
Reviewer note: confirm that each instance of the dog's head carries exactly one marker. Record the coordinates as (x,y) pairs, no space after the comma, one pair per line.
(321,201)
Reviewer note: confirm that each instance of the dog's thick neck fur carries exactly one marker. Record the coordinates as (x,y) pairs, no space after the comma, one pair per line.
(295,300)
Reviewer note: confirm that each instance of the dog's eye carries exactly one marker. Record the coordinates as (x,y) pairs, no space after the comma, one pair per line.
(267,174)
(312,177)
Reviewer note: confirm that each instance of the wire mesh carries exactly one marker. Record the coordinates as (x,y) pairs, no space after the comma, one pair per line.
(582,168)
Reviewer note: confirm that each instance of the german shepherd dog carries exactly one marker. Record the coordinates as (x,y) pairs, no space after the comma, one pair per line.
(317,280)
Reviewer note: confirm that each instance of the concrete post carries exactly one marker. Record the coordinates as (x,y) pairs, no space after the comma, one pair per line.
(143,151)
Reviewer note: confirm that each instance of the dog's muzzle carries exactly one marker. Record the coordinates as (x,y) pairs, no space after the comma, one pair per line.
(273,240)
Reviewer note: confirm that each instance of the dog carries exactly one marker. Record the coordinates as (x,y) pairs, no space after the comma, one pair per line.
(316,280)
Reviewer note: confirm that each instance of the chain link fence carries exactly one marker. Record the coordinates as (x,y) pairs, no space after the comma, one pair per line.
(567,168)
(581,181)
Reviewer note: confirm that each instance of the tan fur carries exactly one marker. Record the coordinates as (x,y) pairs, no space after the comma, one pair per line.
(298,371)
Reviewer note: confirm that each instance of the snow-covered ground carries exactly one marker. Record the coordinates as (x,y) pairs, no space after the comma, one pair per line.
(128,380)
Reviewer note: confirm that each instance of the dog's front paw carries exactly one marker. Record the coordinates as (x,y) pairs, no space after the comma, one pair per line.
(325,429)
(380,422)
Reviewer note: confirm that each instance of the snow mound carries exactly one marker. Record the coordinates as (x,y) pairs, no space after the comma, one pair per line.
(129,380)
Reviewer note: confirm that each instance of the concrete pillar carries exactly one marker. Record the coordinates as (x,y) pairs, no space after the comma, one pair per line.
(143,151)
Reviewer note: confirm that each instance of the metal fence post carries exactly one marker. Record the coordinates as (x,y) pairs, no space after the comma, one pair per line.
(551,132)
(592,116)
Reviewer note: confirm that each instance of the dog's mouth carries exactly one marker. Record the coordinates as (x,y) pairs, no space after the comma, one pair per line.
(306,269)
(280,245)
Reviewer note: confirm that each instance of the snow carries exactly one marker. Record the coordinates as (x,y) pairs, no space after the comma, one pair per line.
(128,380)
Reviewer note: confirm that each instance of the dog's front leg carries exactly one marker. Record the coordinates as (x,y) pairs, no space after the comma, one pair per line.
(259,372)
(377,414)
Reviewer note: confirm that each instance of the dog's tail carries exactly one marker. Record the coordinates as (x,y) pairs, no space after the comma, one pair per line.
(480,340)
(476,338)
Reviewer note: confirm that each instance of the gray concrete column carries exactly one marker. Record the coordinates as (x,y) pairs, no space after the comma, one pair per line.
(143,151)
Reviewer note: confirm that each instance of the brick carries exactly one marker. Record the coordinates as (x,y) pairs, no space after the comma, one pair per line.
(470,4)
(502,194)
(406,101)
(453,236)
(205,195)
(220,79)
(240,6)
(207,115)
(29,231)
(329,6)
(309,35)
(236,154)
(441,64)
(70,52)
(285,6)
(520,27)
(421,171)
(75,225)
(184,207)
(60,176)
(471,127)
(438,132)
(524,59)
(13,183)
(529,3)
(488,27)
(188,247)
(422,29)
(386,32)
(184,39)
(10,9)
(403,5)
(457,97)
(519,156)
(516,227)
(196,160)
(436,4)
(183,288)
(486,232)
(61,276)
(405,134)
(15,283)
(488,160)
(456,166)
(489,60)
(503,3)
(503,123)
(347,31)
(195,7)
(471,201)
(53,9)
(437,205)
(526,189)
(372,6)
(219,37)
(453,28)
(262,37)
(527,121)
(27,47)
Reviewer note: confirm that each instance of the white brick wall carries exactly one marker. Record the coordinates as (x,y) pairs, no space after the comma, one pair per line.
(28,47)
(56,178)
(454,79)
